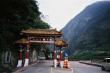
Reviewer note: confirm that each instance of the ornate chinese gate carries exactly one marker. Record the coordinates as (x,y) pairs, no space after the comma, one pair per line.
(42,36)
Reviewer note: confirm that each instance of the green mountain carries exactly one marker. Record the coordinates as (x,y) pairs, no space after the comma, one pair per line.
(89,32)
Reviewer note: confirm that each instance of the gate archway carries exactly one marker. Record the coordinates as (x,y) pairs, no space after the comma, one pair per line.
(35,36)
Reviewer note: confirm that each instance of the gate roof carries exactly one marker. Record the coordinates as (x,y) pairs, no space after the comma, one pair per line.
(42,32)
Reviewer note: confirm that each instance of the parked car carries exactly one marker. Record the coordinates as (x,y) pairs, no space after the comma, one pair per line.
(106,65)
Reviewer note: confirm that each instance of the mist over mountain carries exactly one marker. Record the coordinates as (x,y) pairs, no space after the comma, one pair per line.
(89,30)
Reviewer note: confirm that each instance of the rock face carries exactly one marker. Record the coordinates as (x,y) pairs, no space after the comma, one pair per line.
(89,30)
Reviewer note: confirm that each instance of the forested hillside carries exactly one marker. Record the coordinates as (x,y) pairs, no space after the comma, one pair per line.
(16,15)
(88,34)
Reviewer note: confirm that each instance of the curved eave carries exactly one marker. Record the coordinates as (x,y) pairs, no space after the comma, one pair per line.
(41,32)
(22,41)
(44,35)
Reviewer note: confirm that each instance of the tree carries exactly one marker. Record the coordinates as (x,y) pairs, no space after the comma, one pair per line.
(16,15)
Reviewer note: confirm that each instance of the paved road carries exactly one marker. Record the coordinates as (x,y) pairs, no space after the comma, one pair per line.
(83,68)
(41,67)
(46,67)
(60,70)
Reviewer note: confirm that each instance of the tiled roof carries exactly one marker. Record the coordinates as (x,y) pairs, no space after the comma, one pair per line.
(41,32)
(60,43)
(22,41)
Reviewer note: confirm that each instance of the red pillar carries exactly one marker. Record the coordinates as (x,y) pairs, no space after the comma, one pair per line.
(54,55)
(27,56)
(27,53)
(61,55)
(20,57)
(55,59)
(20,54)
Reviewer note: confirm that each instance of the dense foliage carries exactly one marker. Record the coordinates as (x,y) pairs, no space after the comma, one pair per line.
(16,15)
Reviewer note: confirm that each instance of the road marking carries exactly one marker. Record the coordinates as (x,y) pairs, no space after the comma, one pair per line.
(72,70)
(51,70)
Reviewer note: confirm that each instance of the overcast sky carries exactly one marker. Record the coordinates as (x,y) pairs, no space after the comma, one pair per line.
(59,12)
